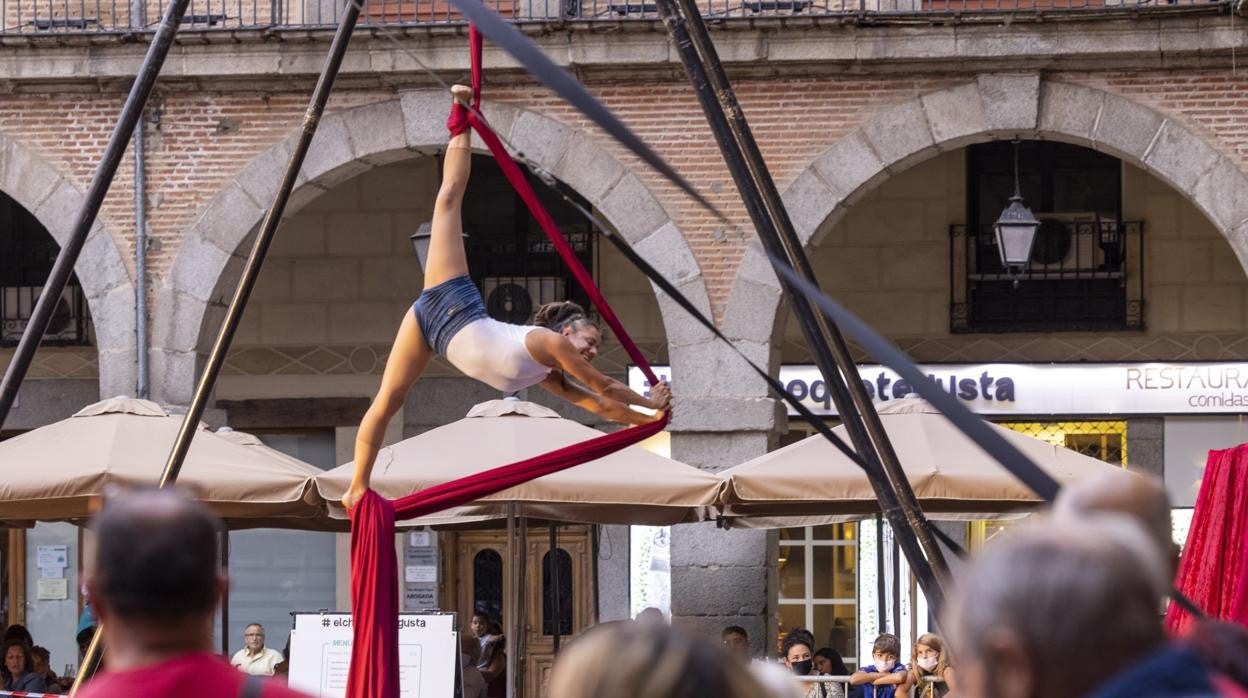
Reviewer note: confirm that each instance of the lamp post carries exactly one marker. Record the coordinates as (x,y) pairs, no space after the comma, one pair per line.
(420,242)
(1016,230)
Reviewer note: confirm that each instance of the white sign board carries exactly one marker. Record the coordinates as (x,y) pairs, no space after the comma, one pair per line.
(320,654)
(1038,389)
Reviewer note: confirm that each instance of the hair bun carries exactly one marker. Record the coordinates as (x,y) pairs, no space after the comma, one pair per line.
(558,315)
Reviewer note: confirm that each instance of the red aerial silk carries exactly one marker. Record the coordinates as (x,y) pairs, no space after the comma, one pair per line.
(374,569)
(1213,571)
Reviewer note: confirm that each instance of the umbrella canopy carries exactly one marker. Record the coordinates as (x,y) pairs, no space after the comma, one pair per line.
(56,472)
(811,482)
(632,485)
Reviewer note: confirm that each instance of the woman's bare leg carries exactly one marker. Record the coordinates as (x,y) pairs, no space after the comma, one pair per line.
(410,354)
(447,258)
(408,358)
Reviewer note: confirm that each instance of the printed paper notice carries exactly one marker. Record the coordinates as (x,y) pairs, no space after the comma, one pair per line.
(420,539)
(52,572)
(53,589)
(420,573)
(52,556)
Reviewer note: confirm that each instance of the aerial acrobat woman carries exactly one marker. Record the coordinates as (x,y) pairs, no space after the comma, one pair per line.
(449,319)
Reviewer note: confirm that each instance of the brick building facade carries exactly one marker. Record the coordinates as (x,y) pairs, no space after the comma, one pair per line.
(866,127)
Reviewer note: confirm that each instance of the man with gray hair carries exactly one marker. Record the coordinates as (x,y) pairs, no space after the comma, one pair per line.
(254,658)
(1141,497)
(1221,646)
(1061,608)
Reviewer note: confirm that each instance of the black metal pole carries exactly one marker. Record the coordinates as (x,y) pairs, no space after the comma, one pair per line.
(131,112)
(897,629)
(255,260)
(881,582)
(556,595)
(771,220)
(311,119)
(225,602)
(797,255)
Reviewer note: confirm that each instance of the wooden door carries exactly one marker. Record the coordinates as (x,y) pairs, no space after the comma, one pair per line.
(576,599)
(481,578)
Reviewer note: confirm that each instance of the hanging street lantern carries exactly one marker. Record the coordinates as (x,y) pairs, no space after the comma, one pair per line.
(420,242)
(1016,230)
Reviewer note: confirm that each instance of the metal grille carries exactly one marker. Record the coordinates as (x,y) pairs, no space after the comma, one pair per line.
(512,261)
(1083,276)
(1105,440)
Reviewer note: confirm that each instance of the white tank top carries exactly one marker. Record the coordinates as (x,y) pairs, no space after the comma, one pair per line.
(494,353)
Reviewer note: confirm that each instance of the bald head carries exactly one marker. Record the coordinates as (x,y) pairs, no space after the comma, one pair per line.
(1141,497)
(1029,612)
(155,557)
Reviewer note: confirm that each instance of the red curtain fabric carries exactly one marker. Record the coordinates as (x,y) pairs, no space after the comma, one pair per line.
(374,669)
(1213,571)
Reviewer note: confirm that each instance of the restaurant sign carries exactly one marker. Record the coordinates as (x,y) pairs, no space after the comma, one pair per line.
(1036,389)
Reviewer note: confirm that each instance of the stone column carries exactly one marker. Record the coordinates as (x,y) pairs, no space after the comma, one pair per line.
(1146,451)
(722,419)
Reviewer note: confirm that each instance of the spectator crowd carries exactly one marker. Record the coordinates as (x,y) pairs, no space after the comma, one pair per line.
(1065,607)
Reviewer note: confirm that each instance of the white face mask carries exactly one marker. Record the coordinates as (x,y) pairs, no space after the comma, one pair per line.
(927,663)
(883,665)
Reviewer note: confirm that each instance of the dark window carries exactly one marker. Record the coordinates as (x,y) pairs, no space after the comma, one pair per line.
(27,252)
(1085,271)
(510,258)
(564,561)
(487,584)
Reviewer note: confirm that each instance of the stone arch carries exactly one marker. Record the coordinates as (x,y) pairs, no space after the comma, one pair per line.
(56,200)
(354,141)
(994,106)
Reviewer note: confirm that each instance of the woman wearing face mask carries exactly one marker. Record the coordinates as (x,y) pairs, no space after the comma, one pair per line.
(929,670)
(800,659)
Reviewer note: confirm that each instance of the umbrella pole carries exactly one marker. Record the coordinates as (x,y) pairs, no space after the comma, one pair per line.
(775,230)
(556,597)
(881,585)
(897,588)
(225,603)
(510,608)
(522,647)
(131,112)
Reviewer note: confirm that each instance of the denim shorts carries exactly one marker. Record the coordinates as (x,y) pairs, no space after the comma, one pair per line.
(447,308)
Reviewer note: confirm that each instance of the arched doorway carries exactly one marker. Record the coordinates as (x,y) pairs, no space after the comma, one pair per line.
(1126,270)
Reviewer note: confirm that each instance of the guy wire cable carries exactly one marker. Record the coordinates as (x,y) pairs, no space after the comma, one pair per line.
(879,347)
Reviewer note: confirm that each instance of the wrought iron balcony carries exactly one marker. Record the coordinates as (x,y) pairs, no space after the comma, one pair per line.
(1085,274)
(42,17)
(69,319)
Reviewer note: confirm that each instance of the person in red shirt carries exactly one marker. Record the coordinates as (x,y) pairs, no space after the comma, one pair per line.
(155,582)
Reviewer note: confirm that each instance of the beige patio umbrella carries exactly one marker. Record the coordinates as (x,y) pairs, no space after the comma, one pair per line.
(632,486)
(811,482)
(57,472)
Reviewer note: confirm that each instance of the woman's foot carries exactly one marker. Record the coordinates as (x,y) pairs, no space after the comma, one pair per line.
(462,94)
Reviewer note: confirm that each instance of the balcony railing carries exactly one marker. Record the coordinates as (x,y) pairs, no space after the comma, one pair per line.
(1085,274)
(69,319)
(43,17)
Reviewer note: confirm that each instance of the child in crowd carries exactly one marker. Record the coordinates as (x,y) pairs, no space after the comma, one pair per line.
(881,678)
(929,662)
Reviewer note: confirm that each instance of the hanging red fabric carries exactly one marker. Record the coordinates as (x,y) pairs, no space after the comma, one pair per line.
(1213,571)
(374,671)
